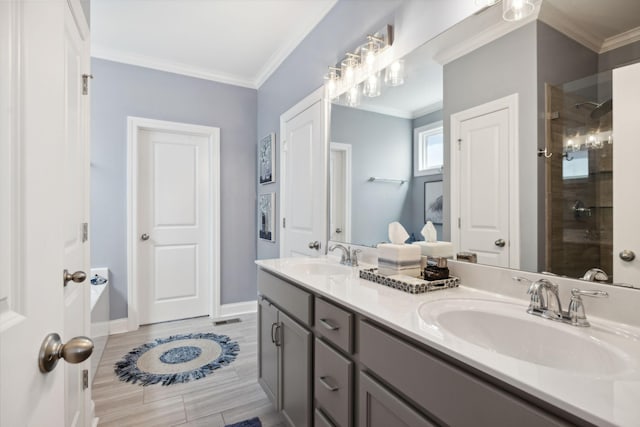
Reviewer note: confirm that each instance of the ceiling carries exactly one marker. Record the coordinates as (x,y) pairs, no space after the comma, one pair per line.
(240,42)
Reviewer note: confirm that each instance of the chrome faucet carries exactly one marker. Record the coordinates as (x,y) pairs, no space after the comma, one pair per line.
(545,302)
(595,275)
(346,253)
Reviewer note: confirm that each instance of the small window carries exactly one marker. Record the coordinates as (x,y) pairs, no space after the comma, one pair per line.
(428,149)
(575,165)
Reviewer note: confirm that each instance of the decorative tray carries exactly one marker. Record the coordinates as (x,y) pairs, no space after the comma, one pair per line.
(412,285)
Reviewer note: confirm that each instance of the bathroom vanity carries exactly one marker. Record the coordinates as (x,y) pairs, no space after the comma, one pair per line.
(337,350)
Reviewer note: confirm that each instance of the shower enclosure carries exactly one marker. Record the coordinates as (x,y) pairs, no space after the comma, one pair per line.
(579,176)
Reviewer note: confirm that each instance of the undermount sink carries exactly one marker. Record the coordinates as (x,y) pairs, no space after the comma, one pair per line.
(319,268)
(507,329)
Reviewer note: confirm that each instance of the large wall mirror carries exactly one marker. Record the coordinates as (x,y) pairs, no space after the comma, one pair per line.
(502,135)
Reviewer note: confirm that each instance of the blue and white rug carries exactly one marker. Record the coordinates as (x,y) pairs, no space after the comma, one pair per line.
(177,359)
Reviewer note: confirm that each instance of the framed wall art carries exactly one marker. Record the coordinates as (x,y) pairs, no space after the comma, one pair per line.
(267,159)
(433,202)
(266,216)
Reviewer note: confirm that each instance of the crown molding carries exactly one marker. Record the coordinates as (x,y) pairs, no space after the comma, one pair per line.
(427,110)
(101,52)
(620,40)
(475,39)
(279,57)
(560,21)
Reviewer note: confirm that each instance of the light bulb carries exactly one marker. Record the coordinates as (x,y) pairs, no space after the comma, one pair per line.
(371,85)
(353,96)
(515,10)
(394,75)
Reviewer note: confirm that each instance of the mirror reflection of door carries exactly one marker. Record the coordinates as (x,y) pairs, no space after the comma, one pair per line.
(340,197)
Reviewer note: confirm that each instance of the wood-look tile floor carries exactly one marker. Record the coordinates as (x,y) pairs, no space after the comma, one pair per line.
(229,395)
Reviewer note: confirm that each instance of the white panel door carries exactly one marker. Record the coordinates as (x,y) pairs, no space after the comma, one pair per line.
(484,187)
(76,213)
(305,183)
(174,241)
(43,202)
(626,152)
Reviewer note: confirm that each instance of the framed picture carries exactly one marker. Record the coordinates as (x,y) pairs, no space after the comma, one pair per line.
(267,159)
(266,216)
(433,201)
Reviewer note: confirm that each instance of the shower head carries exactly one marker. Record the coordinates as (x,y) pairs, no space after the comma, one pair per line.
(602,109)
(599,109)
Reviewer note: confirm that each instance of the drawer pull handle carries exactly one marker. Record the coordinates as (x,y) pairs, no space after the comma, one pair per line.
(273,326)
(328,325)
(327,385)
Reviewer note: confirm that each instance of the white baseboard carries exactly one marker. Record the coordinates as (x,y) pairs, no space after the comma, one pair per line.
(94,419)
(118,326)
(236,309)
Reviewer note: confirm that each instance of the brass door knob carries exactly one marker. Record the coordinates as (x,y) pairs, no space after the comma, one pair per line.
(77,277)
(76,350)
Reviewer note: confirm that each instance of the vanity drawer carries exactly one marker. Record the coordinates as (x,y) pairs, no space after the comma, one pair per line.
(332,381)
(334,324)
(443,390)
(286,296)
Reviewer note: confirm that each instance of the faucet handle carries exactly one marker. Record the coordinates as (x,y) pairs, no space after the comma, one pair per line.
(576,312)
(354,257)
(537,302)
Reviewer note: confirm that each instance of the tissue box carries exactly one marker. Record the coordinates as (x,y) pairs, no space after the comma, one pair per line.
(399,259)
(436,249)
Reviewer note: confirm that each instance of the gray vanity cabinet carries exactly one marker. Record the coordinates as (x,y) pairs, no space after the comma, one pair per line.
(268,360)
(378,407)
(285,348)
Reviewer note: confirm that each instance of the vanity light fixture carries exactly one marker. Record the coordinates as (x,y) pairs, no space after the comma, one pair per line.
(360,66)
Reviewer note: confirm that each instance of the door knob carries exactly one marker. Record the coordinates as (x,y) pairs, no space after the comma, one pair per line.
(338,230)
(77,277)
(76,350)
(627,255)
(314,245)
(500,243)
(144,237)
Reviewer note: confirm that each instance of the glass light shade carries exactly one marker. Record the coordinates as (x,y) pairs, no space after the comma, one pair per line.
(331,82)
(369,55)
(352,97)
(394,75)
(371,85)
(348,70)
(515,10)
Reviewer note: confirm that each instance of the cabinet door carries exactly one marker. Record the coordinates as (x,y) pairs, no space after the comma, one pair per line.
(380,408)
(295,362)
(267,350)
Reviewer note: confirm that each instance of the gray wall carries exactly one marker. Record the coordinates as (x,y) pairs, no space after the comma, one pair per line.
(500,68)
(120,90)
(344,28)
(381,146)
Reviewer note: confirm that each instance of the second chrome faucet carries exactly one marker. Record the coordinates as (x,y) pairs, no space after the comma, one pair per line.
(349,256)
(545,302)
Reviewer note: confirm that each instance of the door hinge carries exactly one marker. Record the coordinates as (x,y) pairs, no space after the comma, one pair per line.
(85,379)
(459,144)
(85,83)
(85,231)
(459,222)
(284,222)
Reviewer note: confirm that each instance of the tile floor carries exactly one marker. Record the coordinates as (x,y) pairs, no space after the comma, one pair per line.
(229,395)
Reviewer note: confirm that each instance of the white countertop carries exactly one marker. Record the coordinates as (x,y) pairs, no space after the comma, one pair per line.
(605,400)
